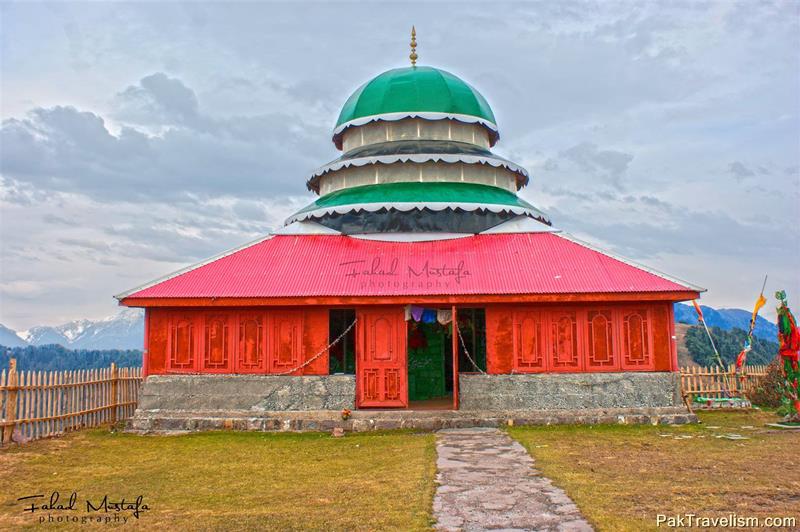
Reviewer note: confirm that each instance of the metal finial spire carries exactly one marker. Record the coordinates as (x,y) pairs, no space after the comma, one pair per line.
(413,55)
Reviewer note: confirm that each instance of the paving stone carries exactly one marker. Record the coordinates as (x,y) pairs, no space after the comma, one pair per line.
(487,481)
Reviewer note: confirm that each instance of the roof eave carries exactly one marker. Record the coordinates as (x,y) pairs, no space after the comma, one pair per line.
(573,297)
(410,205)
(124,295)
(689,286)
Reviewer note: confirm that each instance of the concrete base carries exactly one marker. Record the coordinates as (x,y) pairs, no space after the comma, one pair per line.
(544,391)
(257,393)
(176,421)
(179,403)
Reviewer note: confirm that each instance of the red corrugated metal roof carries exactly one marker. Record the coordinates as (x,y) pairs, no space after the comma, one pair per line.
(335,265)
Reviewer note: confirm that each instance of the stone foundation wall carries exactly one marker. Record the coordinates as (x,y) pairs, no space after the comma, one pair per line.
(176,403)
(256,393)
(490,393)
(569,391)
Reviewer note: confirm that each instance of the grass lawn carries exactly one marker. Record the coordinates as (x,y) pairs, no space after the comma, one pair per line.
(622,476)
(232,480)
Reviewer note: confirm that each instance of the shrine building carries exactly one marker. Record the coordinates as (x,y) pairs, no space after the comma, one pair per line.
(418,280)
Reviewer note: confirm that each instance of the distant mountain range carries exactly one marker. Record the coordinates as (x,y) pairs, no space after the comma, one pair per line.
(124,330)
(727,319)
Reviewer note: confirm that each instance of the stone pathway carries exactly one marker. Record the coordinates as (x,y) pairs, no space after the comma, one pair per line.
(487,481)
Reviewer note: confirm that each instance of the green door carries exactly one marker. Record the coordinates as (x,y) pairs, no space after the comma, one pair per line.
(426,361)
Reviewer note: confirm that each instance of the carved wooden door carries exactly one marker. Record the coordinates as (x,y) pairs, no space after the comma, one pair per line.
(381,370)
(286,340)
(529,343)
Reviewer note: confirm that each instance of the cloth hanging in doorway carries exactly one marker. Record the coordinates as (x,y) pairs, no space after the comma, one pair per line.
(416,312)
(417,338)
(444,316)
(407,311)
(429,316)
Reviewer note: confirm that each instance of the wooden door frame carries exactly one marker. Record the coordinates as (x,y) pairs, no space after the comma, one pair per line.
(454,335)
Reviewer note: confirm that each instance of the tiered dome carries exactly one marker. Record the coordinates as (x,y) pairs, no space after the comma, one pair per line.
(424,92)
(416,158)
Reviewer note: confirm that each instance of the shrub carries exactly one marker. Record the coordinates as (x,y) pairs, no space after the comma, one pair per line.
(769,392)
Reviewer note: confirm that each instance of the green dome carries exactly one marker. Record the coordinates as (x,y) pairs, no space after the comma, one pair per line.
(415,91)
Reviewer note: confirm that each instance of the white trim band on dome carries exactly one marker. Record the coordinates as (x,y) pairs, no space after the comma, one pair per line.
(394,117)
(420,158)
(410,206)
(410,237)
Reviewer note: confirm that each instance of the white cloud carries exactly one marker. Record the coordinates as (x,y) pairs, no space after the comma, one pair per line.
(21,288)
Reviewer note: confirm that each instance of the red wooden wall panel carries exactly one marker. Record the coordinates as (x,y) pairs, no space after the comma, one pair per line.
(217,342)
(157,331)
(673,356)
(636,339)
(662,337)
(623,337)
(601,340)
(183,342)
(236,340)
(285,341)
(251,338)
(499,339)
(530,339)
(565,340)
(315,338)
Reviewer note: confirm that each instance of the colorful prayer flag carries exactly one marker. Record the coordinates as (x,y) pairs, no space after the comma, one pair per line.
(741,360)
(697,308)
(760,303)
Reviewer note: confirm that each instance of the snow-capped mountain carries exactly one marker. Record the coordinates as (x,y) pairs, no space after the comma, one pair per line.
(124,330)
(9,338)
(61,334)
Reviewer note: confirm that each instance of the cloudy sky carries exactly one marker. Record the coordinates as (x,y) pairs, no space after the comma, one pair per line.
(138,138)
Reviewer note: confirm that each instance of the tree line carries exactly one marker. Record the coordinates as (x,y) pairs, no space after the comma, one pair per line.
(58,358)
(729,344)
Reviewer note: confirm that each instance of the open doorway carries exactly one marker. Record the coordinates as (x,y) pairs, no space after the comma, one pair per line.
(472,343)
(430,373)
(430,354)
(342,355)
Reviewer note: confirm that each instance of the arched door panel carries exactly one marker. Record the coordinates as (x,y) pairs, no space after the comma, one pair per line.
(381,371)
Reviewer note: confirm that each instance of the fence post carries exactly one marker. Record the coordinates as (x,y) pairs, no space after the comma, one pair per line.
(11,400)
(114,378)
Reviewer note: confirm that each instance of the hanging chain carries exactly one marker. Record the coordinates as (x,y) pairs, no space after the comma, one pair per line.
(324,350)
(350,327)
(474,364)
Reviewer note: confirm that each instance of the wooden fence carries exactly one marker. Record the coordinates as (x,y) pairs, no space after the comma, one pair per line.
(716,382)
(38,404)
